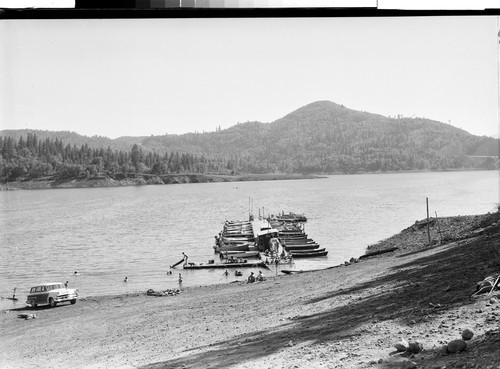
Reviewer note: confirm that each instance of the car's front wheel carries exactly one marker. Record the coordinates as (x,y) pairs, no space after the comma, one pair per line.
(52,302)
(73,301)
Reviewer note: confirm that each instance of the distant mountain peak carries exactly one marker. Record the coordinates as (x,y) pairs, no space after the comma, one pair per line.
(322,109)
(321,104)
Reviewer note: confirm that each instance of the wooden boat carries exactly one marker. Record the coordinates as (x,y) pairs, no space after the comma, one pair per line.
(291,271)
(237,254)
(297,241)
(237,233)
(239,248)
(302,247)
(292,237)
(237,238)
(237,226)
(238,230)
(226,265)
(236,222)
(308,254)
(235,243)
(304,251)
(291,217)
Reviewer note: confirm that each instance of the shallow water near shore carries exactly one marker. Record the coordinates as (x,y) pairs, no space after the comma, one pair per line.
(106,234)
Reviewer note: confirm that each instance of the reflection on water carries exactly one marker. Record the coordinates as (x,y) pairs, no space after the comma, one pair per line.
(108,233)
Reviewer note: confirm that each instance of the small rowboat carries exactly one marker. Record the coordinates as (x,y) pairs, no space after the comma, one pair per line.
(299,240)
(237,254)
(309,246)
(239,248)
(309,254)
(295,252)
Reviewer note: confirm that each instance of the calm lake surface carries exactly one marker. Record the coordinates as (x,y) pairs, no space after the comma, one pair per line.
(108,233)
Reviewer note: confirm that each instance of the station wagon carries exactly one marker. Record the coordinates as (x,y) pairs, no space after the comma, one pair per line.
(51,294)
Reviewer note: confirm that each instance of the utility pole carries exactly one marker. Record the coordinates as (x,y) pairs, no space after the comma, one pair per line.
(439,229)
(428,225)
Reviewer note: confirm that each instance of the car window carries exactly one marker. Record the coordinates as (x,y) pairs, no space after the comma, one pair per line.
(33,289)
(38,289)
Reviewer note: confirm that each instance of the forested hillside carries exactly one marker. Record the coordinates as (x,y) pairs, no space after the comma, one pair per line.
(75,139)
(322,137)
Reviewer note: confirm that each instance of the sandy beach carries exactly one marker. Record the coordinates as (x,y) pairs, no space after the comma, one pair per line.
(343,317)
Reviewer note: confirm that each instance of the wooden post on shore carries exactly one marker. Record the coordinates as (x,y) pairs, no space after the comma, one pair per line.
(439,229)
(428,225)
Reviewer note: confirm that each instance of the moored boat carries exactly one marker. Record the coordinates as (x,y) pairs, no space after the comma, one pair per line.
(298,241)
(302,247)
(305,251)
(239,248)
(236,254)
(312,253)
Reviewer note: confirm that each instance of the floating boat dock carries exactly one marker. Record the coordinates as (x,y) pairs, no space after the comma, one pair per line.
(277,239)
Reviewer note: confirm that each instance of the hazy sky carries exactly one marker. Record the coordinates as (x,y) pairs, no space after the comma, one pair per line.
(136,77)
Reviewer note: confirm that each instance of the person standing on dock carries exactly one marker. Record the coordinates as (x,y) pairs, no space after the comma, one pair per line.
(185,258)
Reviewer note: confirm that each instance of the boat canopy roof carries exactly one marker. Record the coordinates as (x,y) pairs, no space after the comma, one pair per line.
(267,231)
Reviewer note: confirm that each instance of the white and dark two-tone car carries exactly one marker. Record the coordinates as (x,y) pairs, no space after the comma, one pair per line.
(51,294)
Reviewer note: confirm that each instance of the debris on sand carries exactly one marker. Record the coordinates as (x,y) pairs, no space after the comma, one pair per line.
(488,284)
(26,316)
(169,292)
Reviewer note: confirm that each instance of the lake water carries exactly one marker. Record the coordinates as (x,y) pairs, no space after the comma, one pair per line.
(108,233)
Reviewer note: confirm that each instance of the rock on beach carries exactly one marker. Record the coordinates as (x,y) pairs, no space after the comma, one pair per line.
(401,345)
(467,334)
(456,346)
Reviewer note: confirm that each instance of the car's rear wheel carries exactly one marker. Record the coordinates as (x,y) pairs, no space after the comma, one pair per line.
(52,302)
(73,301)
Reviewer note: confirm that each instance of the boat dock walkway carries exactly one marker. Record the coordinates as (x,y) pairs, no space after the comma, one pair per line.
(256,264)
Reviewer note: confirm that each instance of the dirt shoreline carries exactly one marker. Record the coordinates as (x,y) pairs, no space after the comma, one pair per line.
(142,180)
(343,317)
(149,179)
